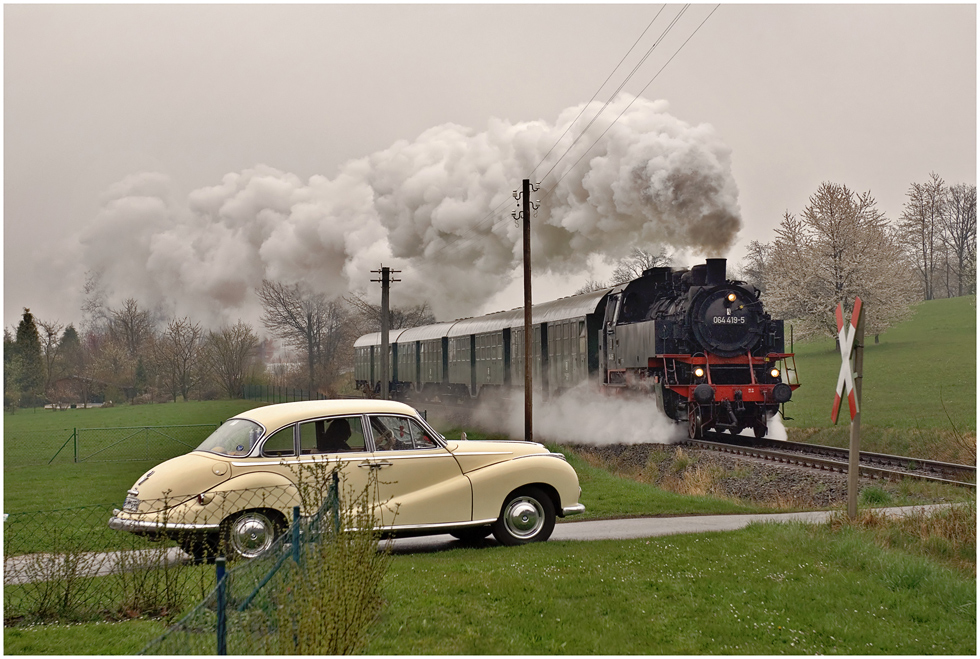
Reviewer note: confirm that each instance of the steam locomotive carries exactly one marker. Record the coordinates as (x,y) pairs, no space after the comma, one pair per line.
(700,345)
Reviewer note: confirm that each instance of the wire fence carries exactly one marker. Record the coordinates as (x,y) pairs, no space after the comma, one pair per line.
(126,444)
(243,613)
(274,394)
(314,589)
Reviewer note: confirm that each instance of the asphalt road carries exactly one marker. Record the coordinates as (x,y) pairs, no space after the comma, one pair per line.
(25,569)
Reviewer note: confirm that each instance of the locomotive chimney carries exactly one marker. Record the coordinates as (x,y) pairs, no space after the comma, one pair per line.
(716,271)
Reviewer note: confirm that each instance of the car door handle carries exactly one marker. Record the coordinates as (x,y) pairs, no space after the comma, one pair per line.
(375,465)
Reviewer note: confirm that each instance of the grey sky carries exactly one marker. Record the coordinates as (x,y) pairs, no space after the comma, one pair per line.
(872,96)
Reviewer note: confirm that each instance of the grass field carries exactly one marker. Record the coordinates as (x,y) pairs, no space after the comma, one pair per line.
(837,591)
(764,590)
(922,374)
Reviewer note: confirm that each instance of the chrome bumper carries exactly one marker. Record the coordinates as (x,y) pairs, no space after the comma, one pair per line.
(141,526)
(577,509)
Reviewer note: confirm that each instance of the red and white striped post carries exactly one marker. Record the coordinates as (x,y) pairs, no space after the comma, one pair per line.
(851,338)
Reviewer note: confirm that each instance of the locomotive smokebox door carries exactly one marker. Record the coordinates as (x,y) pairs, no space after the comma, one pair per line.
(725,322)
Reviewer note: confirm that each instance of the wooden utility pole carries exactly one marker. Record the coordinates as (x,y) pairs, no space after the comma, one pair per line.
(525,213)
(384,359)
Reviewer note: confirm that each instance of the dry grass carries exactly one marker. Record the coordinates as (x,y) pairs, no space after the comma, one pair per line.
(947,534)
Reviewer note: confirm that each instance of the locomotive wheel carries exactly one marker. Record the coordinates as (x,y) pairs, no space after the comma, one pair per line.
(695,429)
(760,429)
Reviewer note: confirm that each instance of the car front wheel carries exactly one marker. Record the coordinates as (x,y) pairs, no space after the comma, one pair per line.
(250,534)
(528,515)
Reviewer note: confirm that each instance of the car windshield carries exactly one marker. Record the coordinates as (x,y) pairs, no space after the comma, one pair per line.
(234,437)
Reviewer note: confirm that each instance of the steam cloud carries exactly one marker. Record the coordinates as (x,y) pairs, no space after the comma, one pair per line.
(583,415)
(420,207)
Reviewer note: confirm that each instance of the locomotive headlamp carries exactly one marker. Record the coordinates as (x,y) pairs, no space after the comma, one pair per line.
(774,372)
(699,372)
(732,297)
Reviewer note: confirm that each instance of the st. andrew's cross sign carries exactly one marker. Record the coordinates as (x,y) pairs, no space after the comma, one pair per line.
(851,338)
(846,333)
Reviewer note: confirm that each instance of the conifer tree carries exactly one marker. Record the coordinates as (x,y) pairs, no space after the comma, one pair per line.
(29,362)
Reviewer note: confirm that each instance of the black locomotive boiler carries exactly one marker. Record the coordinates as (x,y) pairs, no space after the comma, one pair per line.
(699,345)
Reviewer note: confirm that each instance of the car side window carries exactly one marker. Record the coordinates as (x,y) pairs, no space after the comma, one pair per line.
(280,443)
(396,433)
(337,435)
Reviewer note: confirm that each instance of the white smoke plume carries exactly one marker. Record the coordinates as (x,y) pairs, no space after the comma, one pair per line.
(584,415)
(421,207)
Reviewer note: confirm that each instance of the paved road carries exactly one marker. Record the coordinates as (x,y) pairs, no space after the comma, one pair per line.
(25,569)
(641,527)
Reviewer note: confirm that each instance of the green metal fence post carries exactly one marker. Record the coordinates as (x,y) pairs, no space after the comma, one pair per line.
(335,493)
(296,548)
(221,596)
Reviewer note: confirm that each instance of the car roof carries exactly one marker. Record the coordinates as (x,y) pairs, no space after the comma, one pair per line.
(276,416)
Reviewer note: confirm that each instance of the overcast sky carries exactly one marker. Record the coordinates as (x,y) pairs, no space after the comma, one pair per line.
(189,151)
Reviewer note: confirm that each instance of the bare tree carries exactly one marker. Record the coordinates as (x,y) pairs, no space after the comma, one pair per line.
(177,354)
(369,315)
(757,258)
(959,236)
(231,355)
(310,323)
(632,266)
(920,228)
(131,326)
(590,286)
(50,339)
(841,247)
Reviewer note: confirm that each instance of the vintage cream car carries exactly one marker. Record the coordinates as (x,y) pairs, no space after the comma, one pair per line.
(237,490)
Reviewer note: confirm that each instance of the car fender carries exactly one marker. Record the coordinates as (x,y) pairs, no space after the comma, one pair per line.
(250,491)
(493,483)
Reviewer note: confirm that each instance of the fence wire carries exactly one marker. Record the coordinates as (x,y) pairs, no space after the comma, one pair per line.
(125,444)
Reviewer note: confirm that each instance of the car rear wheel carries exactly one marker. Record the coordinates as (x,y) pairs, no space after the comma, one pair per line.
(251,533)
(528,515)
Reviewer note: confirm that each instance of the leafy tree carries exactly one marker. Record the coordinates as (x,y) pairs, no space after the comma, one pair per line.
(841,247)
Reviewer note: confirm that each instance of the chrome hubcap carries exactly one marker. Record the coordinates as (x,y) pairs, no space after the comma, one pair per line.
(524,517)
(251,535)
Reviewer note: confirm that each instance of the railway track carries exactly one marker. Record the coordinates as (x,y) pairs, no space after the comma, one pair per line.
(826,458)
(830,458)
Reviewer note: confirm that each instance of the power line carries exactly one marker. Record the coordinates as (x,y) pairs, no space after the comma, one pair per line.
(656,75)
(460,241)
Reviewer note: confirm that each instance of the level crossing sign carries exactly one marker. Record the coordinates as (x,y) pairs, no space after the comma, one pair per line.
(846,334)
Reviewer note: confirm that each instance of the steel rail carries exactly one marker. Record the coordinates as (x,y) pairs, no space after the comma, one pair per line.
(804,456)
